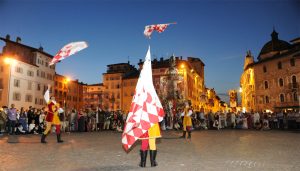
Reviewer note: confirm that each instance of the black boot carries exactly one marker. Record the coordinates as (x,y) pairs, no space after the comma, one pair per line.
(59,139)
(143,158)
(183,135)
(189,135)
(153,158)
(43,138)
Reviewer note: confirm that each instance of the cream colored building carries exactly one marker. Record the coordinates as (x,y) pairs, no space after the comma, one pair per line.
(272,82)
(24,74)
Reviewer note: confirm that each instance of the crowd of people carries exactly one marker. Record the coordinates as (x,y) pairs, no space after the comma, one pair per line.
(32,121)
(239,120)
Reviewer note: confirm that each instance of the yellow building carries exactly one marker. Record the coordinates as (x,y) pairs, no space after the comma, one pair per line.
(272,82)
(24,74)
(112,82)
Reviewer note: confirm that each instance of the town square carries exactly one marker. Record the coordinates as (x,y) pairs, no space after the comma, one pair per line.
(149,85)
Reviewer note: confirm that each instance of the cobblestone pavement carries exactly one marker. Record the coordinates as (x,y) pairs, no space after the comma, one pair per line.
(223,150)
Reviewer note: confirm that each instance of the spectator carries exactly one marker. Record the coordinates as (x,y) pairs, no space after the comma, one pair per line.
(33,128)
(23,120)
(3,118)
(12,119)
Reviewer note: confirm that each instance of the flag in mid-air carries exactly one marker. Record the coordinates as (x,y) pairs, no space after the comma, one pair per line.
(68,50)
(146,109)
(156,27)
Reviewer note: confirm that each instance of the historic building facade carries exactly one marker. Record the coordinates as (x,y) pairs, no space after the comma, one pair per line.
(24,74)
(272,82)
(68,93)
(112,82)
(93,95)
(120,80)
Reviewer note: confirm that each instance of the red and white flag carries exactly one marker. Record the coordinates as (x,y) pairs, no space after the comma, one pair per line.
(146,109)
(156,27)
(68,50)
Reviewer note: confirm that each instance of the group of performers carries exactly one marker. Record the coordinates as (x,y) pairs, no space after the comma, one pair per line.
(148,139)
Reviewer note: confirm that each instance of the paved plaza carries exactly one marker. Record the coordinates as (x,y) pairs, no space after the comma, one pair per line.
(208,150)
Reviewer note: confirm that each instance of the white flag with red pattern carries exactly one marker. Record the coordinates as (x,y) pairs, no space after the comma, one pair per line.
(155,27)
(68,50)
(146,109)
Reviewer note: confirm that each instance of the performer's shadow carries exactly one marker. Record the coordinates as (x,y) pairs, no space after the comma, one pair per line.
(13,139)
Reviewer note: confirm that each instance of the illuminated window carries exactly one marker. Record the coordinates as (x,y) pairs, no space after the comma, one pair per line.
(267,99)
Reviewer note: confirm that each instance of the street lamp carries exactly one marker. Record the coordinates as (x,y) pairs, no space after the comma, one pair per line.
(11,62)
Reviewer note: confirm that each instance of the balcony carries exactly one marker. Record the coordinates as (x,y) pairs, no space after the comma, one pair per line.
(293,86)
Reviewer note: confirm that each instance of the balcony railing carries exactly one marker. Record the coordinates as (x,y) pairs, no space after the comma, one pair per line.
(293,86)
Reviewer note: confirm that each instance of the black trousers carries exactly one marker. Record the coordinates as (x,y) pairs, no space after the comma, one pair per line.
(11,126)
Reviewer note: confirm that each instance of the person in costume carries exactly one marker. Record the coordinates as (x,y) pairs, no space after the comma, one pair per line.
(187,121)
(52,117)
(149,142)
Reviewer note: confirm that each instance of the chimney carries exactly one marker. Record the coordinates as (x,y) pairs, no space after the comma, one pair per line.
(18,40)
(7,37)
(180,57)
(41,48)
(161,59)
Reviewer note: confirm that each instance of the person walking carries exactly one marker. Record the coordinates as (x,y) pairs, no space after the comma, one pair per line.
(52,117)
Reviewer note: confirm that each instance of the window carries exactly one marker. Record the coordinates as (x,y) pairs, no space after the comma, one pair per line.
(294,79)
(279,65)
(1,84)
(38,88)
(29,87)
(30,73)
(28,98)
(280,82)
(38,73)
(281,97)
(19,70)
(16,96)
(266,85)
(35,101)
(292,62)
(41,101)
(265,69)
(43,74)
(295,96)
(267,99)
(17,83)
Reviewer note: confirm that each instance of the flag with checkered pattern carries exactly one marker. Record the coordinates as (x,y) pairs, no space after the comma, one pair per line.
(146,109)
(155,27)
